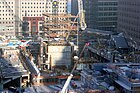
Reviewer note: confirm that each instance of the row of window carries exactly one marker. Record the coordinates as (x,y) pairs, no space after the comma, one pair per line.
(106,28)
(6,2)
(49,11)
(40,7)
(42,11)
(106,23)
(130,22)
(107,19)
(59,0)
(6,6)
(32,3)
(124,27)
(6,14)
(59,3)
(40,3)
(33,11)
(32,7)
(107,8)
(107,13)
(32,14)
(10,22)
(108,3)
(130,3)
(29,14)
(129,15)
(129,9)
(6,18)
(6,10)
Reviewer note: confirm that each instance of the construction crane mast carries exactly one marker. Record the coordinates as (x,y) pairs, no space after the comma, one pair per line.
(82,24)
(81,15)
(81,18)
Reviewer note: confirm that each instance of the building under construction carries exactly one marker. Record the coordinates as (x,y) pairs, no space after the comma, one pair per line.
(58,28)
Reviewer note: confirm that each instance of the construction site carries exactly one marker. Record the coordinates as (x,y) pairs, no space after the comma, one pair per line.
(67,57)
(49,58)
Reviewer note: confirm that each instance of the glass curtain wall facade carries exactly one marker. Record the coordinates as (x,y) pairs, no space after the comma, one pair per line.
(101,14)
(129,19)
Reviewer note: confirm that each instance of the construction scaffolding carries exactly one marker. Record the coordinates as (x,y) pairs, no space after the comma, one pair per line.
(60,25)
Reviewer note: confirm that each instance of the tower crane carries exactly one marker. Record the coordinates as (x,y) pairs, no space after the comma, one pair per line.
(81,15)
(83,26)
(81,18)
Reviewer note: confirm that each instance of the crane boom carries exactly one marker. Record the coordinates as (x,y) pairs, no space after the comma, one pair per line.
(81,14)
(81,18)
(64,89)
(83,26)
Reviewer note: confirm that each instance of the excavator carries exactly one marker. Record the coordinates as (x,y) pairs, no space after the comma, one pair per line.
(82,26)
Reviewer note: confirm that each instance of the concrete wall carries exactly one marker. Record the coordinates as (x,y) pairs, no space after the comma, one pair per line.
(59,55)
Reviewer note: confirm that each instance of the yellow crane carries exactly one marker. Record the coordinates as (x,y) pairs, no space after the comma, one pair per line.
(81,18)
(81,15)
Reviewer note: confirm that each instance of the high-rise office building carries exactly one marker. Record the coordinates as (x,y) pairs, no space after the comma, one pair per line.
(74,7)
(13,12)
(101,14)
(7,17)
(129,19)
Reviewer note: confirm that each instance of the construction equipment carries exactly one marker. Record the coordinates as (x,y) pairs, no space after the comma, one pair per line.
(81,18)
(81,15)
(64,89)
(83,26)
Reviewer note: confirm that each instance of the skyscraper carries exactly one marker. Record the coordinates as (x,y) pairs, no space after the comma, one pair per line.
(74,7)
(13,12)
(101,14)
(129,19)
(7,17)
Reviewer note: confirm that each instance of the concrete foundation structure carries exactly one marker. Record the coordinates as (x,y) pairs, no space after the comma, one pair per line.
(59,55)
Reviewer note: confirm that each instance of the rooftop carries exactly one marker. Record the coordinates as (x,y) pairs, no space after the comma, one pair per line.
(10,65)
